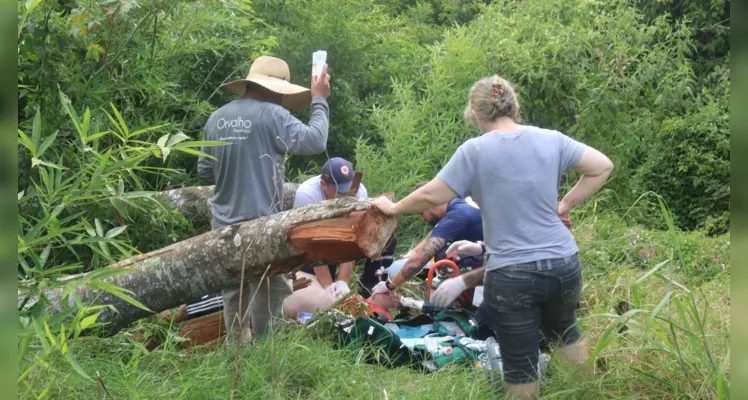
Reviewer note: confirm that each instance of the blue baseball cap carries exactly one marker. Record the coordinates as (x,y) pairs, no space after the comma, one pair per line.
(339,172)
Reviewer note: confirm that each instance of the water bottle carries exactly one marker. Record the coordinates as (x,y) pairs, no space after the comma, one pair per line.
(319,58)
(431,344)
(544,361)
(494,360)
(303,317)
(409,302)
(473,344)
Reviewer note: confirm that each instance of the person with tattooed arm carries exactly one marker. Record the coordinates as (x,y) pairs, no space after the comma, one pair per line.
(459,219)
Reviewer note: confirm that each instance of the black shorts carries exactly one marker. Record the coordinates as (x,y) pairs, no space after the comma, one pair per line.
(527,300)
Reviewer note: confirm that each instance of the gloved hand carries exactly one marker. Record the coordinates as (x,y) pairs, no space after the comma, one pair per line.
(465,248)
(338,289)
(380,288)
(448,291)
(409,254)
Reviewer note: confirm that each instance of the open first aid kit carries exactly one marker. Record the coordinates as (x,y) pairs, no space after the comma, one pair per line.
(426,341)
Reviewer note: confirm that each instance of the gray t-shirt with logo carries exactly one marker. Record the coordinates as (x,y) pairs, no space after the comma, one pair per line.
(514,177)
(248,172)
(310,192)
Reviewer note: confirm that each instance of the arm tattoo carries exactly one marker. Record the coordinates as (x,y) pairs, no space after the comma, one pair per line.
(430,247)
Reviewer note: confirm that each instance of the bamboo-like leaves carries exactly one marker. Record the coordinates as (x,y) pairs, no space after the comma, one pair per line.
(69,198)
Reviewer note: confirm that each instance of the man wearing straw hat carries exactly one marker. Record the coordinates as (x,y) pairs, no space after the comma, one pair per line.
(248,173)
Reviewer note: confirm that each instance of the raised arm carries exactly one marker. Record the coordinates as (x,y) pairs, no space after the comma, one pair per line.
(295,137)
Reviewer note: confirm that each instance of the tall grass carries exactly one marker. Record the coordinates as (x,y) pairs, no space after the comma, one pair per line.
(73,218)
(670,327)
(673,331)
(675,343)
(591,69)
(594,69)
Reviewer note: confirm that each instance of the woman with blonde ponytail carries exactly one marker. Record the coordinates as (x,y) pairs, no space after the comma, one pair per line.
(533,278)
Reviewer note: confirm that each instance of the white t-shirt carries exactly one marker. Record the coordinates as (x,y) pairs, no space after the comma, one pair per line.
(310,192)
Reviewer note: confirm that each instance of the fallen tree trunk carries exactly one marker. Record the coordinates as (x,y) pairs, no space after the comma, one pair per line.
(335,231)
(193,202)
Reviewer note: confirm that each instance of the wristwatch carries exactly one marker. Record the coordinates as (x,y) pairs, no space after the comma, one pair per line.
(482,248)
(389,285)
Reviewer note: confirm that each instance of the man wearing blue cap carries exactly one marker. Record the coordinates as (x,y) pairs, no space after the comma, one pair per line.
(330,281)
(336,178)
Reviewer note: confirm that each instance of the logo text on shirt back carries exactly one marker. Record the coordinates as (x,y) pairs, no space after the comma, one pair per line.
(238,122)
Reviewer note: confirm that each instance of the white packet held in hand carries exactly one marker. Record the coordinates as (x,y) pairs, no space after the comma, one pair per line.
(319,58)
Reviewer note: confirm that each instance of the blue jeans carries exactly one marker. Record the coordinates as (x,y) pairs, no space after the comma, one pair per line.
(530,299)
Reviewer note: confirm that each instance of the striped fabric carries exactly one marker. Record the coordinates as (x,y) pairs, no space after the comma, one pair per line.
(207,304)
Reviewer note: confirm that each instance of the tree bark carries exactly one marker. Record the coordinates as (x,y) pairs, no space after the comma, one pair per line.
(334,231)
(194,202)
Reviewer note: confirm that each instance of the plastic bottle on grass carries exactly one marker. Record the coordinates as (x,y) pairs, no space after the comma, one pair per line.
(544,360)
(494,363)
(303,317)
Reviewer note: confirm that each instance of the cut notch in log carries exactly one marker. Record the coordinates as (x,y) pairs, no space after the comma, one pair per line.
(354,236)
(331,239)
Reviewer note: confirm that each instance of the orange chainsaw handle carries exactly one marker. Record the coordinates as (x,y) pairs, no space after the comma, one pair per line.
(430,277)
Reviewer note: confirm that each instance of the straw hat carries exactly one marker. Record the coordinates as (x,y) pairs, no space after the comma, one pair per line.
(273,74)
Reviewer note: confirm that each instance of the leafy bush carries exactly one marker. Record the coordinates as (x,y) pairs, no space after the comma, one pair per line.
(688,162)
(591,69)
(366,48)
(72,218)
(438,12)
(709,20)
(157,62)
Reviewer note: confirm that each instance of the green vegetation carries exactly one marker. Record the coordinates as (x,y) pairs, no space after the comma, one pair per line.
(113,96)
(644,361)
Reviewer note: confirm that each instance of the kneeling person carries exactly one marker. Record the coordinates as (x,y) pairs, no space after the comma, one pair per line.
(460,219)
(328,282)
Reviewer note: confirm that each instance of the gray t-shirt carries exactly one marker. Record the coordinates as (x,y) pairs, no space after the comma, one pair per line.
(248,172)
(514,177)
(310,192)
